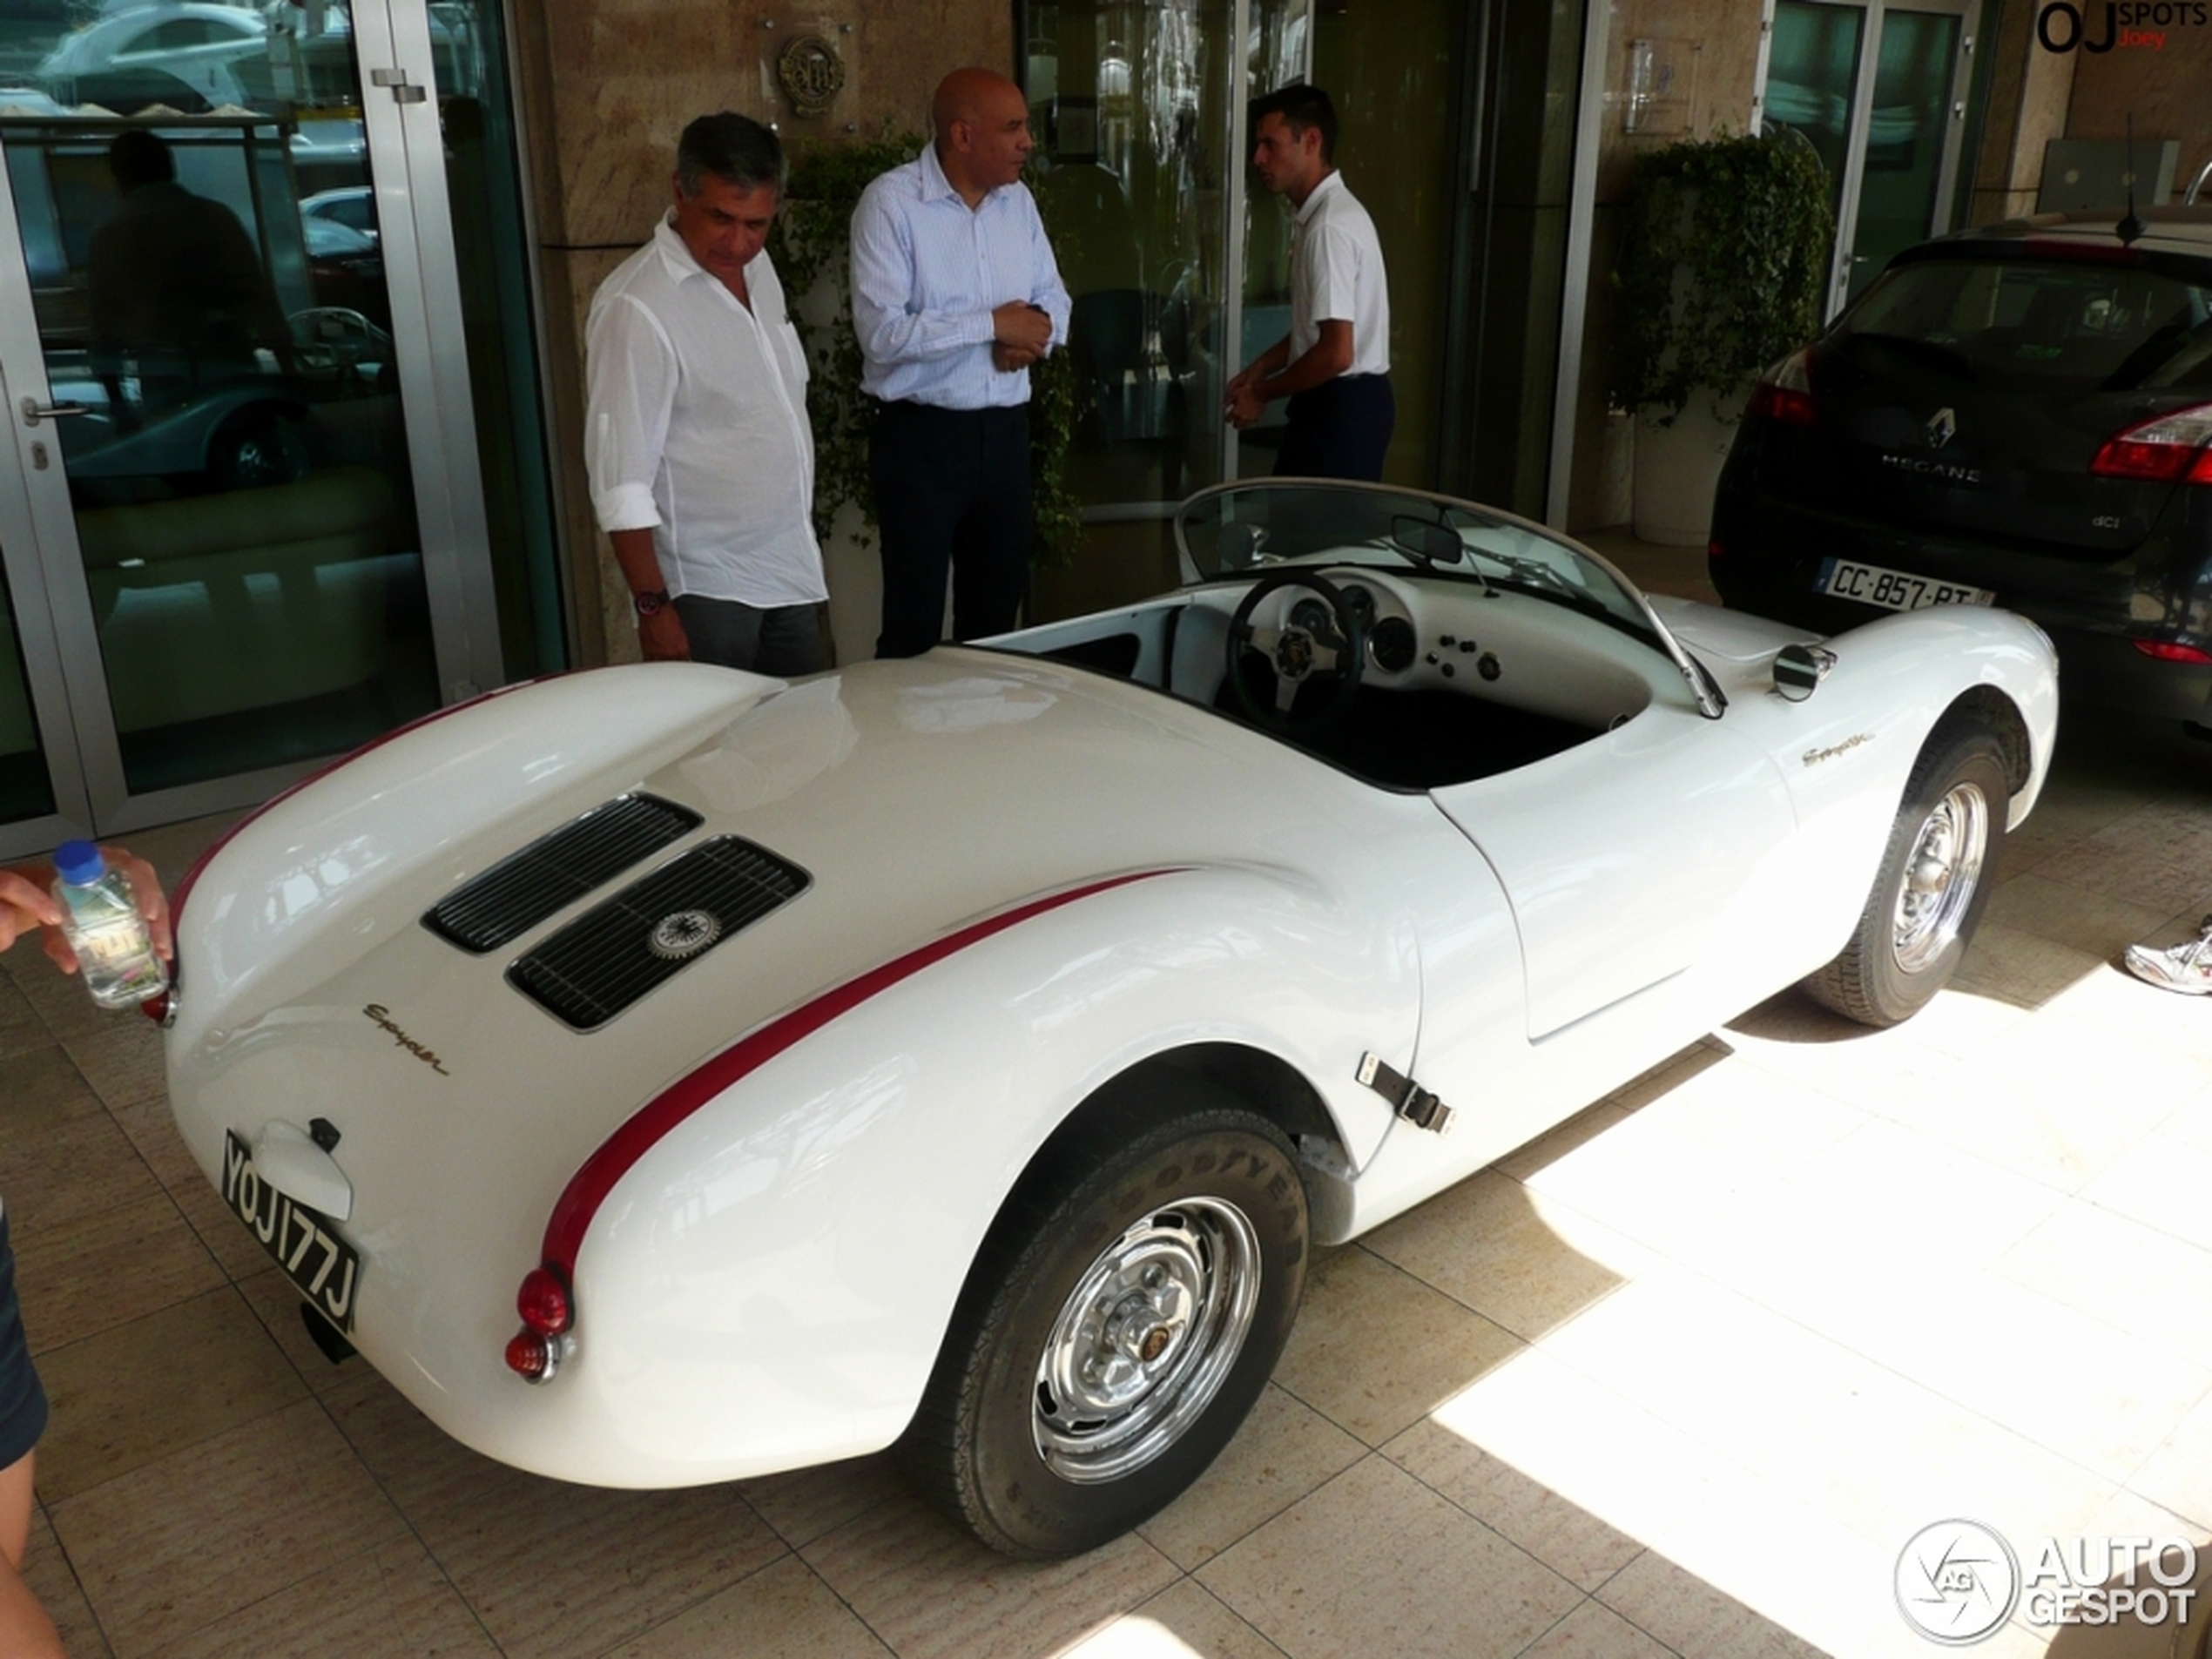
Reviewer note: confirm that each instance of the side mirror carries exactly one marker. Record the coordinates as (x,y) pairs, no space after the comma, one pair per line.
(1798,671)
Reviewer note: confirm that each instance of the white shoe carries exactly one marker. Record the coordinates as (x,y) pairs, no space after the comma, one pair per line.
(2186,968)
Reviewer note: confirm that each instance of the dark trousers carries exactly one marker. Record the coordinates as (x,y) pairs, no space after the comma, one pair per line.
(781,641)
(1339,430)
(952,488)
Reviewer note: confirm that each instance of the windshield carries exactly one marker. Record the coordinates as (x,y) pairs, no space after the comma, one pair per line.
(1249,528)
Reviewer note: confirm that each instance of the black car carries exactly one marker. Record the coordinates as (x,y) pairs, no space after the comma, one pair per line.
(2018,415)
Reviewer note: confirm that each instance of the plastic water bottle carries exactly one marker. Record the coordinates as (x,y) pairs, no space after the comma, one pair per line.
(100,918)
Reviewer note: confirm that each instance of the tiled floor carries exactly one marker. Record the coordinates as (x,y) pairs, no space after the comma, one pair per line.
(1682,1377)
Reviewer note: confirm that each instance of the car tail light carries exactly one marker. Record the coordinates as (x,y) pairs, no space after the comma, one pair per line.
(534,1358)
(544,1302)
(1714,550)
(2170,449)
(1784,393)
(2167,651)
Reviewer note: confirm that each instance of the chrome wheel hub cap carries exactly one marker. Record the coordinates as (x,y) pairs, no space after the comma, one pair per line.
(1941,877)
(1144,1341)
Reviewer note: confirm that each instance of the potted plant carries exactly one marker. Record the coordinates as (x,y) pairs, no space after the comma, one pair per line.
(1724,264)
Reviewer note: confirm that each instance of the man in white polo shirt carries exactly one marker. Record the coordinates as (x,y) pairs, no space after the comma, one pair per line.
(1334,364)
(696,440)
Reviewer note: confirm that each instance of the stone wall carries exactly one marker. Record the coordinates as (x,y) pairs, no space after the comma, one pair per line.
(607,86)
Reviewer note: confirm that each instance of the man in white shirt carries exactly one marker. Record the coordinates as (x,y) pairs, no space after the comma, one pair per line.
(955,295)
(1334,364)
(696,440)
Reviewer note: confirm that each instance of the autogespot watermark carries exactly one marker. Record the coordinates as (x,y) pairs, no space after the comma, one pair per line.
(1957,1581)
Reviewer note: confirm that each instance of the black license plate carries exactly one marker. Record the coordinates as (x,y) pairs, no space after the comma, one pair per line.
(322,1266)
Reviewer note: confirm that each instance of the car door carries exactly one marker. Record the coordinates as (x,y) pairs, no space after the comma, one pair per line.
(1622,856)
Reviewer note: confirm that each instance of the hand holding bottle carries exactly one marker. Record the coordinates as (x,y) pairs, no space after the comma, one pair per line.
(26,903)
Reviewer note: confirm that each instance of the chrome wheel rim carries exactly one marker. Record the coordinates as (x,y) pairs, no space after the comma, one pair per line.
(1941,875)
(1145,1340)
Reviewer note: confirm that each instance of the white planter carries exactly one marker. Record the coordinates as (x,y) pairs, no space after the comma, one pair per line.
(1677,466)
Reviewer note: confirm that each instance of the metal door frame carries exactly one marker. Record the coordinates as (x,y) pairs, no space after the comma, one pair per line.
(43,563)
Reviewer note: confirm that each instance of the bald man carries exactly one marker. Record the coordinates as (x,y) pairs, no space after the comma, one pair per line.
(955,295)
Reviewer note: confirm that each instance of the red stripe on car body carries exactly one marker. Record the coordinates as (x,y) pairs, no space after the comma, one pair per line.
(620,1152)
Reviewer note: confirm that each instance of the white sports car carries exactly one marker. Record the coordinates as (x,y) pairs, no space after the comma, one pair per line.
(965,1053)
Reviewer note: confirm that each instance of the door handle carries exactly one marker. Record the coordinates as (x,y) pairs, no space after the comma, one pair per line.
(34,411)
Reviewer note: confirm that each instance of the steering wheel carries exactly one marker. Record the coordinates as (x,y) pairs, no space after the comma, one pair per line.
(1296,654)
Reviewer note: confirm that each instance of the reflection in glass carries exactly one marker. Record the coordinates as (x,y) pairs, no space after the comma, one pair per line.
(1811,71)
(1904,139)
(209,288)
(1131,101)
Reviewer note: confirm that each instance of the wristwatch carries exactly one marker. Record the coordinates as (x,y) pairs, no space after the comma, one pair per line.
(652,603)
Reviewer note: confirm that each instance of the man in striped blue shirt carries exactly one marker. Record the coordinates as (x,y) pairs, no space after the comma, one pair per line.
(955,295)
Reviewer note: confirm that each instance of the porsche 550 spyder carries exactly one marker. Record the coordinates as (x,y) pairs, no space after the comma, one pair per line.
(666,1075)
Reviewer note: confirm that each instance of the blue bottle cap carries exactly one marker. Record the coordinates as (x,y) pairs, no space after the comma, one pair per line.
(79,863)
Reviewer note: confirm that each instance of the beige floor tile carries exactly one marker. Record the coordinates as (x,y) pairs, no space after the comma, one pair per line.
(781,1612)
(2189,1124)
(1885,1456)
(63,1005)
(628,1560)
(1375,1563)
(1648,1183)
(1557,1464)
(62,1174)
(2178,1475)
(2146,1283)
(2069,1382)
(1731,1374)
(930,1591)
(45,1090)
(2160,1182)
(1793,1037)
(1523,1261)
(2051,1109)
(1686,1614)
(2155,857)
(136,1394)
(1182,1621)
(1374,1348)
(167,1549)
(803,1504)
(1285,1450)
(153,1131)
(123,1063)
(2035,902)
(388,1602)
(1596,1631)
(80,1277)
(1775,1118)
(2024,969)
(46,1569)
(276,1305)
(1558,1142)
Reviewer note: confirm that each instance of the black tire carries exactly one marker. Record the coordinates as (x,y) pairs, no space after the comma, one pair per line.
(1907,944)
(1209,1198)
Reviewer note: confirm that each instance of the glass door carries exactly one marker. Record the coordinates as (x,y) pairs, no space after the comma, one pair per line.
(1176,276)
(1880,93)
(234,538)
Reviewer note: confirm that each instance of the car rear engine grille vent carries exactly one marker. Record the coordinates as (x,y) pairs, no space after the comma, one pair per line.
(615,952)
(512,897)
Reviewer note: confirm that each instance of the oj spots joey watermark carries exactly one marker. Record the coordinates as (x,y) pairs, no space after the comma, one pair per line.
(1957,1581)
(2137,26)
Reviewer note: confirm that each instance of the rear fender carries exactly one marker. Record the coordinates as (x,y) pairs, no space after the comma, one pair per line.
(770,1284)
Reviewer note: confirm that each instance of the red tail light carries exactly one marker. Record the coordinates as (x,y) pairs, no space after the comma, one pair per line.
(544,1302)
(2166,651)
(1783,393)
(2173,448)
(531,1357)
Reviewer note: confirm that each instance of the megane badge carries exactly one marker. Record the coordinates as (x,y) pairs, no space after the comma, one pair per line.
(1942,428)
(684,935)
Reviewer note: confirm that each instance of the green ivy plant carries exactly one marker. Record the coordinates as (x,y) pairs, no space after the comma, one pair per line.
(1723,266)
(810,244)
